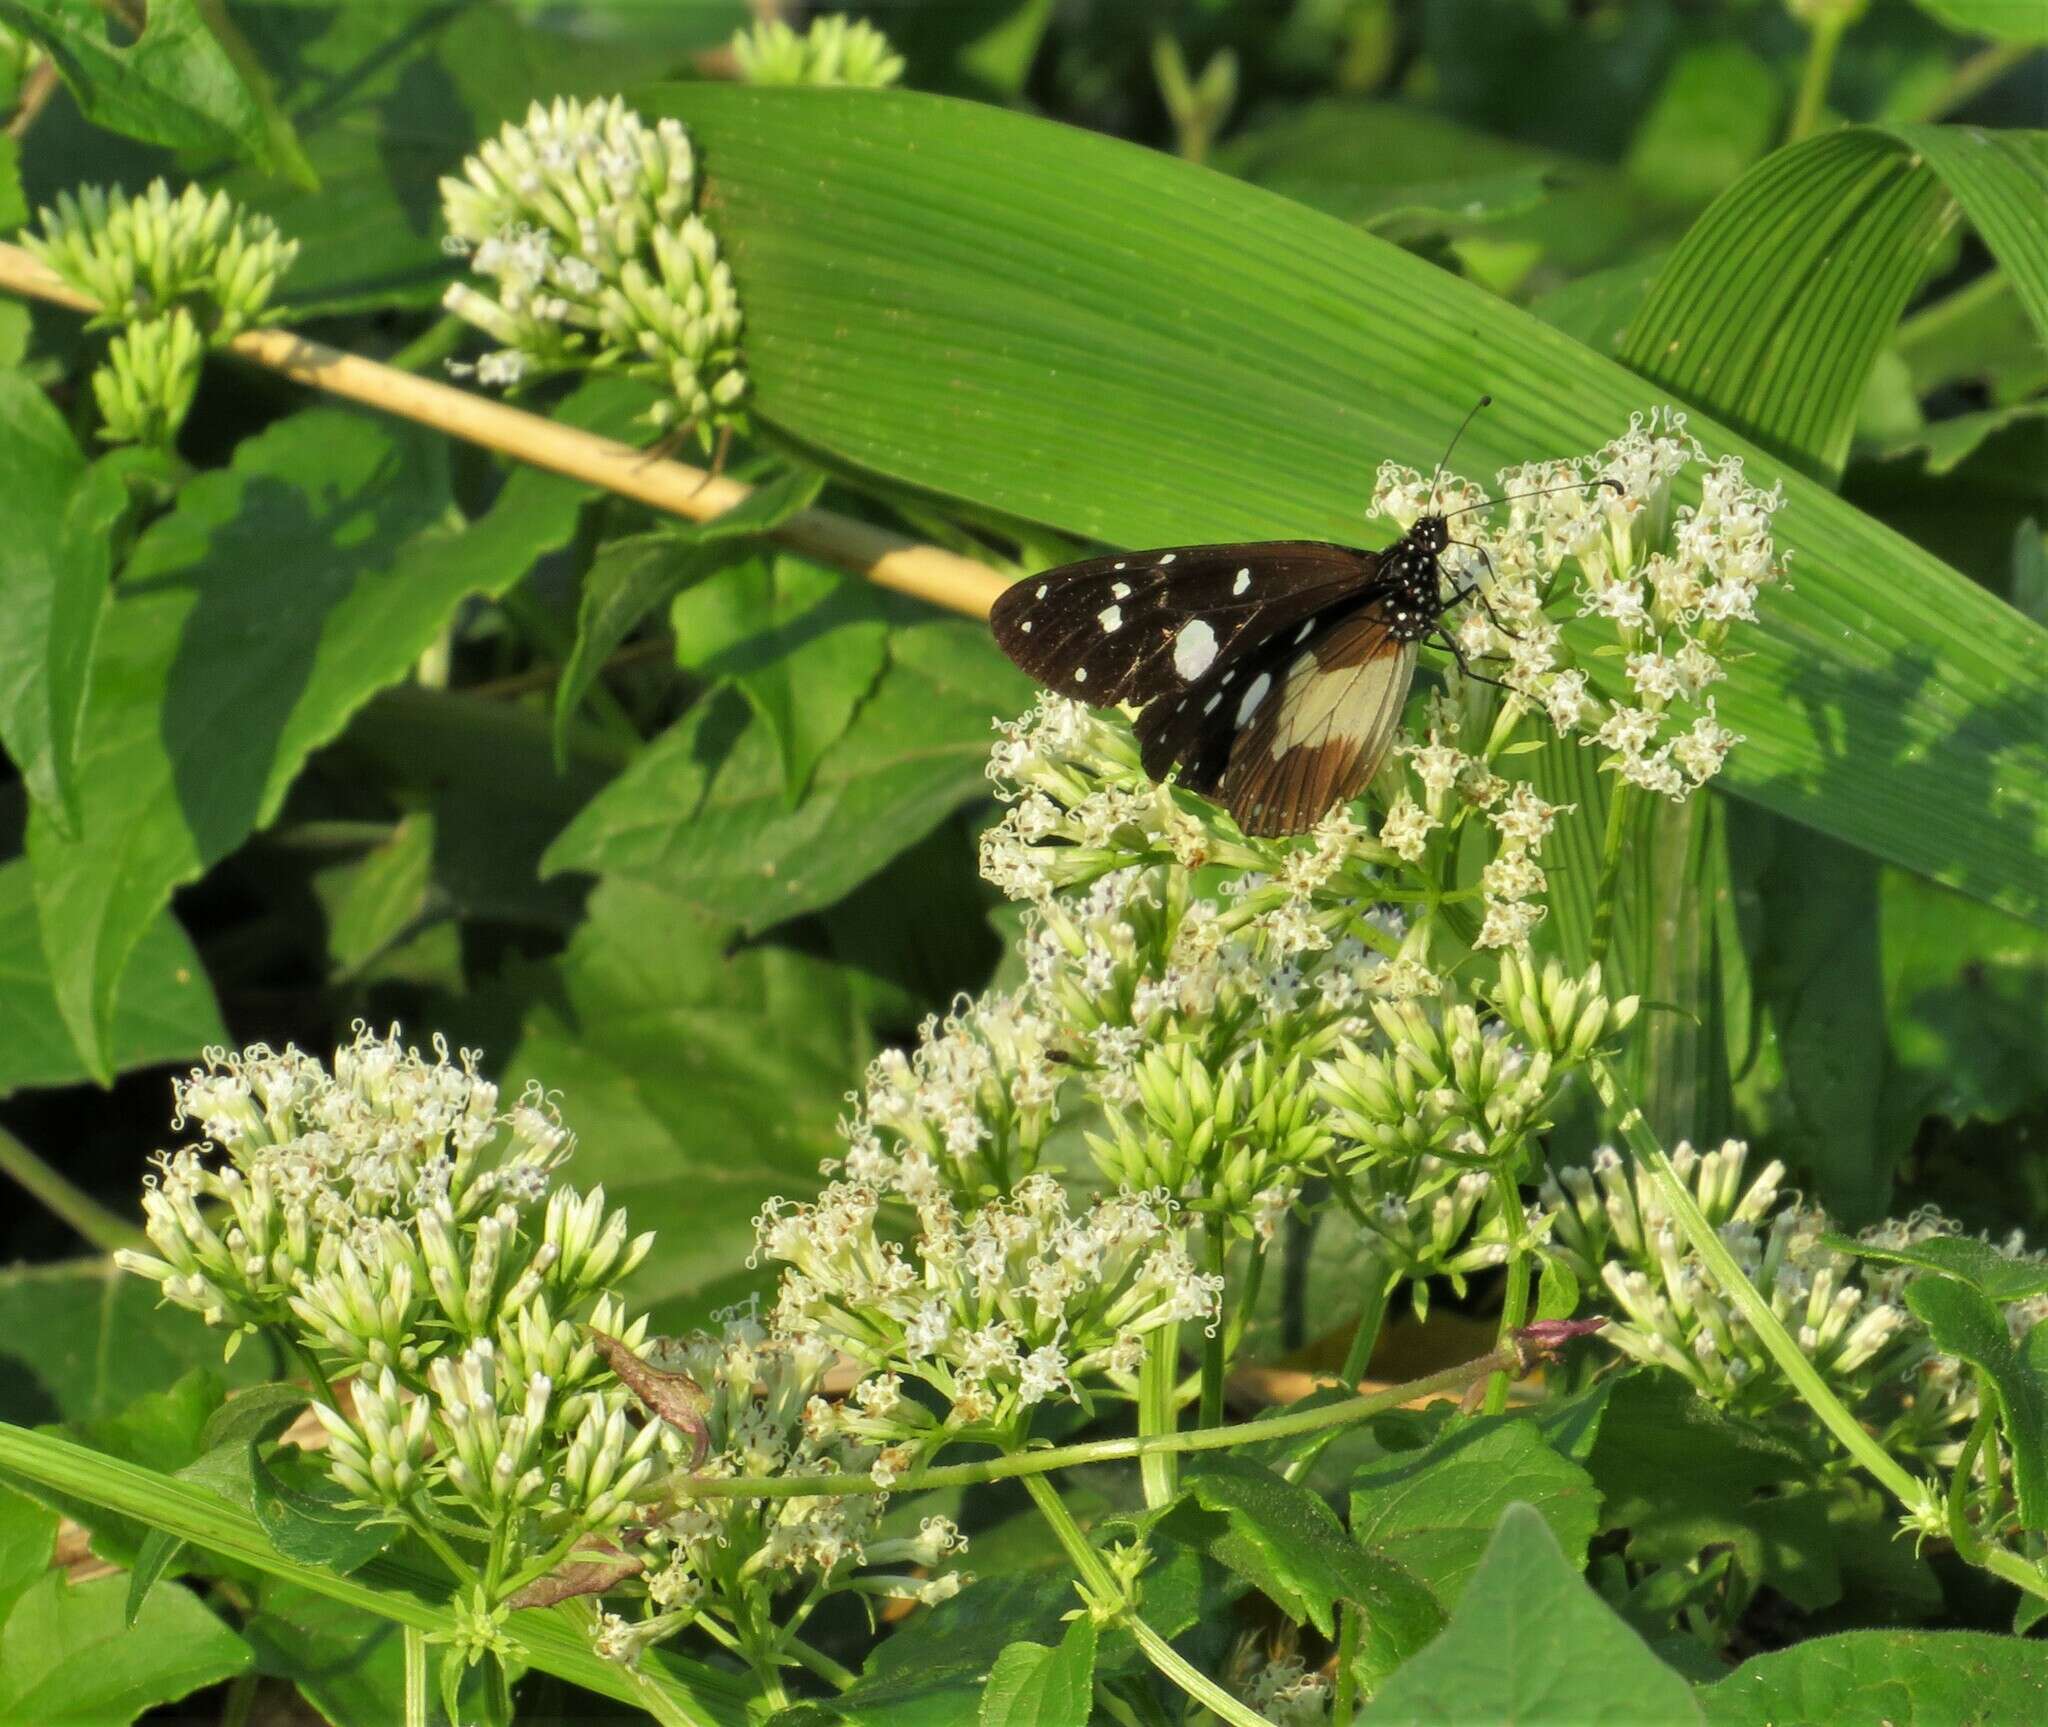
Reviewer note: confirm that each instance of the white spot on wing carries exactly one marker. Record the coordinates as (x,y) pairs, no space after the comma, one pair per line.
(1209,707)
(1111,618)
(1194,650)
(1244,581)
(1119,590)
(1302,634)
(1116,566)
(1080,674)
(1253,696)
(1170,556)
(1025,626)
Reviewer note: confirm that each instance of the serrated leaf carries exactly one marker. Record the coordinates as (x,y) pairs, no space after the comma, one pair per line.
(1531,1643)
(1433,1512)
(1963,1258)
(1033,1686)
(164,1009)
(301,1511)
(1285,1540)
(361,513)
(1964,1322)
(701,814)
(173,85)
(1025,352)
(1902,1678)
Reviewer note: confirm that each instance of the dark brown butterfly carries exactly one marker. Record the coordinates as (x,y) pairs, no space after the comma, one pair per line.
(1272,674)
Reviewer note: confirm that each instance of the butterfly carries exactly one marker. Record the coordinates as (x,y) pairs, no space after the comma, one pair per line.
(1272,674)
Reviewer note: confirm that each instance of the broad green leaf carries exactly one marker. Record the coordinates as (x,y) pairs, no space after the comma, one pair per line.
(28,1537)
(393,1587)
(251,622)
(164,1011)
(636,575)
(68,1658)
(1531,1643)
(173,85)
(53,582)
(1433,1511)
(803,644)
(1944,445)
(696,1081)
(1963,1321)
(80,1340)
(1980,334)
(1681,1477)
(1902,1678)
(701,815)
(372,903)
(1774,306)
(1284,1539)
(944,1695)
(1033,1686)
(1026,351)
(1963,1258)
(300,1509)
(2008,20)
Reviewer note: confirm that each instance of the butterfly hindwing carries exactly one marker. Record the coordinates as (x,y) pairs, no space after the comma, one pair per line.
(1148,625)
(1318,735)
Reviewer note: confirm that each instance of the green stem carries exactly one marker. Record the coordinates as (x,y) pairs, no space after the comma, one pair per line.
(415,1646)
(1607,891)
(1970,1547)
(1908,1489)
(1514,1307)
(432,345)
(1103,1587)
(103,1229)
(1372,1313)
(1217,1240)
(458,1567)
(1159,1414)
(1028,1465)
(1814,77)
(1348,1627)
(1978,73)
(838,1677)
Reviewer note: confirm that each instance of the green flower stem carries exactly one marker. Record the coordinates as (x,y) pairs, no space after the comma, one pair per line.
(1217,1240)
(1159,1414)
(1372,1312)
(458,1567)
(1103,1586)
(1514,1307)
(1620,802)
(1345,1694)
(415,1645)
(838,1677)
(1028,1465)
(1970,1546)
(1978,73)
(1908,1489)
(1814,76)
(103,1229)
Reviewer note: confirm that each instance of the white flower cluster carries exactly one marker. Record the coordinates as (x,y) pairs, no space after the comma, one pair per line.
(1610,1226)
(835,50)
(177,273)
(1287,1694)
(402,1229)
(1669,582)
(996,1310)
(581,220)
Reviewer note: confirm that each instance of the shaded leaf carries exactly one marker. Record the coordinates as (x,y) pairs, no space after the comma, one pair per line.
(701,814)
(1903,1678)
(301,1511)
(173,85)
(1964,1322)
(1033,1686)
(1531,1643)
(1963,1258)
(372,903)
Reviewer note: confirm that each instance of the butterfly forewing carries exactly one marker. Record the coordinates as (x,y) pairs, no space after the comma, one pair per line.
(1148,625)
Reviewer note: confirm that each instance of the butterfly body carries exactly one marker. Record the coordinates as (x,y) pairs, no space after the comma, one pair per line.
(1272,675)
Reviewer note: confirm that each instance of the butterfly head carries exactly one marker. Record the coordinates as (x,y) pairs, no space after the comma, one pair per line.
(1415,600)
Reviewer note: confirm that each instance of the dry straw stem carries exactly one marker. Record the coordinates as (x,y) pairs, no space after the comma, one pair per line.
(889,560)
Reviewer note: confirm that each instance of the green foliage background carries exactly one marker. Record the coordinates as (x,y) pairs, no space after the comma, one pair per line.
(323,717)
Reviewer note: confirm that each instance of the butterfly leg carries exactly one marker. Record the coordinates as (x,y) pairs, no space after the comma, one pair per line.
(1473,591)
(1464,665)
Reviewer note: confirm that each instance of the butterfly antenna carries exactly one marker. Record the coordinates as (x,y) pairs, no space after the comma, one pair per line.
(1540,492)
(1483,402)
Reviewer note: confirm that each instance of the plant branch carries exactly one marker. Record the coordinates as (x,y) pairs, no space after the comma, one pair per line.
(1607,890)
(1027,1465)
(1814,76)
(103,1229)
(889,560)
